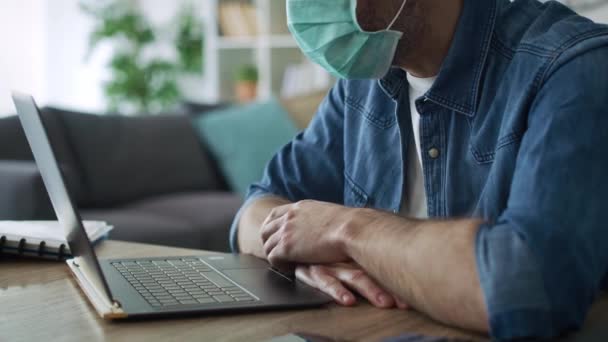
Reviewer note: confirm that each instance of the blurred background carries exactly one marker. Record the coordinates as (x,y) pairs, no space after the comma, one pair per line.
(68,52)
(77,53)
(161,112)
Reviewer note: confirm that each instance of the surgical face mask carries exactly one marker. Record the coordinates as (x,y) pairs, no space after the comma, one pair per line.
(329,34)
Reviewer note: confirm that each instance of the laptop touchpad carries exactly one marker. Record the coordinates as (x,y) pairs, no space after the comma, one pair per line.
(235,262)
(264,283)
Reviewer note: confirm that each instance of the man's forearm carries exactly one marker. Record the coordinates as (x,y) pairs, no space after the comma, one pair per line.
(429,264)
(250,224)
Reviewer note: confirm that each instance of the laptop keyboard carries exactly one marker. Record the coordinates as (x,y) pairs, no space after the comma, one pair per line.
(180,282)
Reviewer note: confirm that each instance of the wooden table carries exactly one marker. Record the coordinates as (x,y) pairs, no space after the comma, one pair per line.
(39,301)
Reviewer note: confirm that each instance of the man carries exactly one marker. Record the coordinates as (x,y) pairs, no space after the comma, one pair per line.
(468,182)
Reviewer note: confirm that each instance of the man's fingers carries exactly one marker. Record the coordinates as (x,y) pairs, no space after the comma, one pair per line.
(317,277)
(276,213)
(336,281)
(270,243)
(270,228)
(275,256)
(401,304)
(359,281)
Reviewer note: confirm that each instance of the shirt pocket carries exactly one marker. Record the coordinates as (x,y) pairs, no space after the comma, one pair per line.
(491,134)
(485,152)
(379,114)
(354,195)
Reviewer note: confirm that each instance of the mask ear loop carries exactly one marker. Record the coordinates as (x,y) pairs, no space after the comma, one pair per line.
(390,26)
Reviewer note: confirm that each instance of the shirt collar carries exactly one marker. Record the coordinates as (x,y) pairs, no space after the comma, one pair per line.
(457,85)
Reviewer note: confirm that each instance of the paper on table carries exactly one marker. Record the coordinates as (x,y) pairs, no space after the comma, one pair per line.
(50,230)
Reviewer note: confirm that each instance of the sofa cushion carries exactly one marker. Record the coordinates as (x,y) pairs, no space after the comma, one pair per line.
(211,212)
(129,158)
(244,139)
(22,193)
(198,109)
(14,146)
(302,109)
(202,218)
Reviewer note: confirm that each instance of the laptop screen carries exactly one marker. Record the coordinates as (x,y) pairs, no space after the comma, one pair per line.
(68,217)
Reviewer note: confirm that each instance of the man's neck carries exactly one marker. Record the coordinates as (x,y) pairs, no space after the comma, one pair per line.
(429,30)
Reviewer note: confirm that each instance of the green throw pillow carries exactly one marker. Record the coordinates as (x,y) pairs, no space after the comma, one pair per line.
(244,139)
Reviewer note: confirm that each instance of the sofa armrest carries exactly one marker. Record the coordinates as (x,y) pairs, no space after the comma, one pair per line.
(22,192)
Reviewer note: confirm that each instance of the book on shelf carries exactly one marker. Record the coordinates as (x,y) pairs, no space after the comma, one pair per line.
(251,15)
(225,20)
(44,239)
(238,20)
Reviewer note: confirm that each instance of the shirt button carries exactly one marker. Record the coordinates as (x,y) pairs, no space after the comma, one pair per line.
(434,153)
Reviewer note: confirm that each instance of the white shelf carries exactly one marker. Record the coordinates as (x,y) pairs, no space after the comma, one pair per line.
(263,41)
(280,41)
(237,43)
(271,52)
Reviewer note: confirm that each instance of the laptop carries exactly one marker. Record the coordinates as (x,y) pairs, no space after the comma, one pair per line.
(165,286)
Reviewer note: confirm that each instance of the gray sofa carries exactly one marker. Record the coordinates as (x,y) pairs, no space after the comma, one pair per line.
(150,177)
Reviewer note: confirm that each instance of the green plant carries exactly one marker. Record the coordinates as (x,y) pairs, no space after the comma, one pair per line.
(190,41)
(140,83)
(247,73)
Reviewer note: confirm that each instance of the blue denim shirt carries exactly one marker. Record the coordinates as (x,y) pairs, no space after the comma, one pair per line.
(519,114)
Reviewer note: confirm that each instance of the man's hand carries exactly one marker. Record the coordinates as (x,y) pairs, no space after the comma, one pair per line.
(307,232)
(250,224)
(340,280)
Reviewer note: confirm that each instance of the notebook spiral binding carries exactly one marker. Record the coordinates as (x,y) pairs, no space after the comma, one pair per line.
(21,246)
(62,255)
(2,242)
(41,248)
(41,252)
(44,239)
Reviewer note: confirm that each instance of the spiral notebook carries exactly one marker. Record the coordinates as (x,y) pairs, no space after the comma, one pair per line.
(44,239)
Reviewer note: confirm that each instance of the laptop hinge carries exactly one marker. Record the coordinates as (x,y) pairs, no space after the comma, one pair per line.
(105,307)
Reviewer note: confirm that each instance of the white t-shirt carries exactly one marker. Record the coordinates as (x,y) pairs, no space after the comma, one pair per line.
(414,197)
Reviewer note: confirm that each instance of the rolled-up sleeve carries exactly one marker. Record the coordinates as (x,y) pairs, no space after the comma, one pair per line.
(309,167)
(541,263)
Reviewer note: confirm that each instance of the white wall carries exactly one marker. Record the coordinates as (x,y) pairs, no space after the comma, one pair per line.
(43,46)
(600,14)
(73,81)
(22,50)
